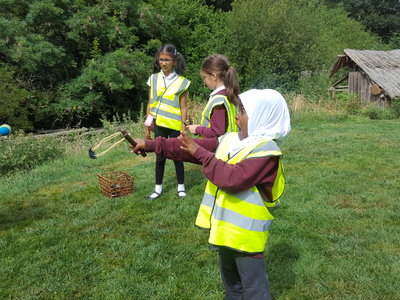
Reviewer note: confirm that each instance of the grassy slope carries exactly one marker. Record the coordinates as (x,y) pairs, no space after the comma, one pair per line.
(336,235)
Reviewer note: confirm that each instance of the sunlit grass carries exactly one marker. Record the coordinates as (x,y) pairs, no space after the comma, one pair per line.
(335,236)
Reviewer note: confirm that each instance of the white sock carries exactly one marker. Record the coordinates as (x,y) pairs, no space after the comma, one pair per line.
(158,188)
(181,187)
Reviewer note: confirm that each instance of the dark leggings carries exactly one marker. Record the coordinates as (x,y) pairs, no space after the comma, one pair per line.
(160,160)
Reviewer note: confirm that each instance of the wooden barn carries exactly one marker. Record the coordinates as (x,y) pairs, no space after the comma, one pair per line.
(373,75)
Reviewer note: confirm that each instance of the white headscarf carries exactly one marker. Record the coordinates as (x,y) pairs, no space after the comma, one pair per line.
(268,116)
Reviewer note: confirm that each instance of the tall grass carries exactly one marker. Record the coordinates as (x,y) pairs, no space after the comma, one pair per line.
(335,236)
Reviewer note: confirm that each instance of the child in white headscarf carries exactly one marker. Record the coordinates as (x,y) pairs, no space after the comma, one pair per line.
(245,181)
(268,116)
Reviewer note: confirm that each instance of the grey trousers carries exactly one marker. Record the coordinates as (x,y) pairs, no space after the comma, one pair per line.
(244,276)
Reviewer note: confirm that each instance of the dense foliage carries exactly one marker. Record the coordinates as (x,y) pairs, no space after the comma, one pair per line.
(380,16)
(284,40)
(72,62)
(21,154)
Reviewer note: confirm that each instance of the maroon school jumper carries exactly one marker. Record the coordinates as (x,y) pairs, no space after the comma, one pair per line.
(232,178)
(218,121)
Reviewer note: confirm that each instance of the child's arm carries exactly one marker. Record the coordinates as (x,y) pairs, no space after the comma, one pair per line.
(172,148)
(218,121)
(184,109)
(235,178)
(148,133)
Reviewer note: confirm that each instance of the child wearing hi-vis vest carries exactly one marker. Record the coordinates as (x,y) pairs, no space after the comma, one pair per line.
(166,109)
(245,181)
(219,114)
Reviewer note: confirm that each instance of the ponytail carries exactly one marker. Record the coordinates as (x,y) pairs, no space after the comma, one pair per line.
(232,85)
(219,64)
(180,64)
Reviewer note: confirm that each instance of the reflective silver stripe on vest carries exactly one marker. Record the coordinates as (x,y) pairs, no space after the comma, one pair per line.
(154,88)
(241,221)
(166,114)
(183,86)
(237,219)
(175,102)
(214,102)
(208,200)
(269,146)
(249,196)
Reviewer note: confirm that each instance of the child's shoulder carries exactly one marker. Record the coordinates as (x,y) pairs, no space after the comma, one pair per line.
(183,78)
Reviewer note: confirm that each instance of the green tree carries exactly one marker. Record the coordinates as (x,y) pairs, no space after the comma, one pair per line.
(45,62)
(51,42)
(14,100)
(225,5)
(15,8)
(81,60)
(106,24)
(112,84)
(380,16)
(275,41)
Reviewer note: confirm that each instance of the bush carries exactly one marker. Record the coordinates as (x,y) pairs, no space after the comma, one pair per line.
(349,102)
(374,111)
(276,40)
(314,85)
(112,84)
(24,153)
(394,107)
(14,100)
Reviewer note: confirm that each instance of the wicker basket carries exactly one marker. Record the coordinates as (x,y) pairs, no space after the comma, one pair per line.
(115,183)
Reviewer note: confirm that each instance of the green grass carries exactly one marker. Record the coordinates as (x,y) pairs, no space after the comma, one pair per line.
(335,237)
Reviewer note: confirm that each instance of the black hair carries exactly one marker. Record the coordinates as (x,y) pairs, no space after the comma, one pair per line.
(180,62)
(219,64)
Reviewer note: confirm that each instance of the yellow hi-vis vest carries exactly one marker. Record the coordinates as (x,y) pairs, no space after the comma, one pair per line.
(230,109)
(165,102)
(240,221)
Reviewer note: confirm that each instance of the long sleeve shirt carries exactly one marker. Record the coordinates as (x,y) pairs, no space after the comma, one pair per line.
(218,123)
(232,178)
(218,119)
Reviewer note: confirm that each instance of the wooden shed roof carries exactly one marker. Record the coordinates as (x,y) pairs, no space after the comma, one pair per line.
(383,67)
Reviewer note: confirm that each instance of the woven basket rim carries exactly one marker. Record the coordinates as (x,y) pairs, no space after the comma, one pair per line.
(115,183)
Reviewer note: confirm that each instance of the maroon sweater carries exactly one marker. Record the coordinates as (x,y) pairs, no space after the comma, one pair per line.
(218,121)
(232,178)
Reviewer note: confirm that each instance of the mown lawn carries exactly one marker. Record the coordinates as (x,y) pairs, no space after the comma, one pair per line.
(336,235)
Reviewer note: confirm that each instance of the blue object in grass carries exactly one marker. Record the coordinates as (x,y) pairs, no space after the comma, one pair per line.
(5,129)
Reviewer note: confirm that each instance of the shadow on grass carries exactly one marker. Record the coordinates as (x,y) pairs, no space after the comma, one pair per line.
(194,177)
(21,214)
(195,181)
(281,258)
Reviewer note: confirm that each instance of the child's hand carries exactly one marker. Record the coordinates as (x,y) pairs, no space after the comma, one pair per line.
(147,134)
(192,128)
(139,146)
(187,143)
